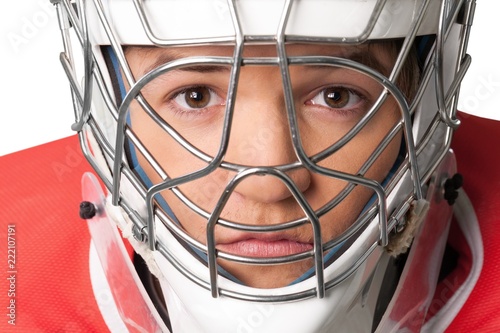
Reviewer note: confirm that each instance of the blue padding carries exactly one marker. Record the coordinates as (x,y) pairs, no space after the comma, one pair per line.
(118,78)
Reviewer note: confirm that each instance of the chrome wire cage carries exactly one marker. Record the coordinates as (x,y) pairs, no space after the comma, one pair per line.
(389,216)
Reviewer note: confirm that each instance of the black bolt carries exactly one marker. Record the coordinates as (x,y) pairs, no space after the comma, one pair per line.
(451,186)
(87,210)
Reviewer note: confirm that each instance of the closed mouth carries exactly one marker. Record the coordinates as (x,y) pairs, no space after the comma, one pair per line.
(265,248)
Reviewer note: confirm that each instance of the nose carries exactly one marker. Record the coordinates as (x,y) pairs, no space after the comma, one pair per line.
(261,138)
(269,189)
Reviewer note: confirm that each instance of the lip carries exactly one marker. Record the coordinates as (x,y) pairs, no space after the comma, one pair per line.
(264,248)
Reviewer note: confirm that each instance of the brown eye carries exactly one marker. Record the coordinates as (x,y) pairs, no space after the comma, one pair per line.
(197,97)
(336,97)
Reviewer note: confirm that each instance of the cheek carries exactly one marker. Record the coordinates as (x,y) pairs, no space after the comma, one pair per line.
(202,193)
(379,129)
(337,220)
(169,154)
(351,158)
(175,161)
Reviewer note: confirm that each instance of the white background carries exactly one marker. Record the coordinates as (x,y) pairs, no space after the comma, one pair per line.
(36,104)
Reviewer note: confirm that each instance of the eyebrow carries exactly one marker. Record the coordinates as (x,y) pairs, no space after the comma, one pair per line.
(362,55)
(165,57)
(368,54)
(368,59)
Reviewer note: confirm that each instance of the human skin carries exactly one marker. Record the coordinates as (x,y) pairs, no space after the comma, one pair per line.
(329,101)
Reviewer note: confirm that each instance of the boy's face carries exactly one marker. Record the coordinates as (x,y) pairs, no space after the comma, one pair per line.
(329,101)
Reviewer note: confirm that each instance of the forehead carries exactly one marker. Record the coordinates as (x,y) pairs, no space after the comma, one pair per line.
(377,55)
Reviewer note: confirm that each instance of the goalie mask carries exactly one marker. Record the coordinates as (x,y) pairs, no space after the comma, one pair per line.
(269,160)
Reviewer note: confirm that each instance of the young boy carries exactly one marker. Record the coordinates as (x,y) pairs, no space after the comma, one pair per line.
(270,163)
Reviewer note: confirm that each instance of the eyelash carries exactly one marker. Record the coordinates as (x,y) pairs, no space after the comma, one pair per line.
(187,110)
(362,99)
